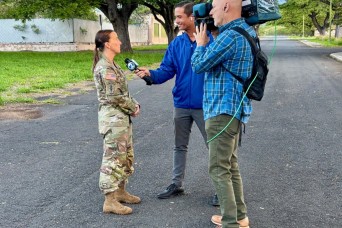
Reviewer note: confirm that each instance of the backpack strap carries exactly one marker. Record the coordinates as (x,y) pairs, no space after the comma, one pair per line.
(253,45)
(249,38)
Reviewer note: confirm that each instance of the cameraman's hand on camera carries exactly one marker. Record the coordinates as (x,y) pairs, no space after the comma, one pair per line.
(201,35)
(142,72)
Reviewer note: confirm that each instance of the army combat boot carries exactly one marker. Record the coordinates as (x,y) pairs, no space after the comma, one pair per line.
(124,197)
(112,205)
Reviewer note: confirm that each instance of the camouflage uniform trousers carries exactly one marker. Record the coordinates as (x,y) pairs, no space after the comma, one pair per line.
(118,158)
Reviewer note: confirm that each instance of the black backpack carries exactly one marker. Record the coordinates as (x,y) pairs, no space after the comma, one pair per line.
(254,86)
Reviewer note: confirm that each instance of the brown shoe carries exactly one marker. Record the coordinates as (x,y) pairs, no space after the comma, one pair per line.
(216,219)
(111,205)
(124,197)
(244,223)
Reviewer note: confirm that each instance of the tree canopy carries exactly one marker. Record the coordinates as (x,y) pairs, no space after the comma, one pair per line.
(61,9)
(316,15)
(119,12)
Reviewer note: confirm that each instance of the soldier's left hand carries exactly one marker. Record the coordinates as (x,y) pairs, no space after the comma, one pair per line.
(137,112)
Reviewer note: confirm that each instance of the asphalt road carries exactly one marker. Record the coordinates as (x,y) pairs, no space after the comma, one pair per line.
(290,157)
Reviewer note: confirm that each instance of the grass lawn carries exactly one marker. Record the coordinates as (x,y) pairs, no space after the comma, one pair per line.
(324,41)
(270,29)
(25,74)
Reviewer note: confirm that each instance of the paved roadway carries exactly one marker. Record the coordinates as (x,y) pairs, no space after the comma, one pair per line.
(290,157)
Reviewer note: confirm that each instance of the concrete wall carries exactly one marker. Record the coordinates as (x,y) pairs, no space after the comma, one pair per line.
(139,34)
(157,32)
(49,31)
(49,47)
(85,31)
(68,35)
(335,29)
(339,31)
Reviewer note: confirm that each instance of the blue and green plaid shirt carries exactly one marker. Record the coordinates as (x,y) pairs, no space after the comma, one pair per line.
(230,52)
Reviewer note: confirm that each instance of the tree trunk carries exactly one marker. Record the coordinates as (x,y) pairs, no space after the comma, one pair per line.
(119,19)
(166,11)
(169,23)
(170,28)
(321,29)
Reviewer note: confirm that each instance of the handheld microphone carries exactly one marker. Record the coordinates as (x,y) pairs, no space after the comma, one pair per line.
(133,65)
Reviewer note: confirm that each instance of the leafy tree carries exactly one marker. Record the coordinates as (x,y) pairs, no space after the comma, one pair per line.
(292,19)
(316,10)
(61,9)
(337,8)
(138,15)
(117,11)
(165,8)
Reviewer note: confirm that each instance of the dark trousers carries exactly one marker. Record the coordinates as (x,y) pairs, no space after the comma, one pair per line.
(183,120)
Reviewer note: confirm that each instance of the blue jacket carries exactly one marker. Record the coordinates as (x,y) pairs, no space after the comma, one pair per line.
(188,89)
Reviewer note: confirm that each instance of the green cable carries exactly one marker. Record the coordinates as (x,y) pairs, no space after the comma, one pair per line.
(275,42)
(245,93)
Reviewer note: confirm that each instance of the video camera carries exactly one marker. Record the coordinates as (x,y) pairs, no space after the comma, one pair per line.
(201,14)
(254,12)
(133,65)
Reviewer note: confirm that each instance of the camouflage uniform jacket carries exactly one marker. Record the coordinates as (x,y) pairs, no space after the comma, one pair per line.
(116,105)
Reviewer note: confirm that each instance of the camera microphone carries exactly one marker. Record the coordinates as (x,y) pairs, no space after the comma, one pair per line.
(133,65)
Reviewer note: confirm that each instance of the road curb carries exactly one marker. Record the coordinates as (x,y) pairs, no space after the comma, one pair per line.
(337,56)
(310,44)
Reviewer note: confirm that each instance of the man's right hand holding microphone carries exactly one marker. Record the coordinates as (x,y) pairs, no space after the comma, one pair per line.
(142,73)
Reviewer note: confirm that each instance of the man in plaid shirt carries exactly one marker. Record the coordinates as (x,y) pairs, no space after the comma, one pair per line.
(223,105)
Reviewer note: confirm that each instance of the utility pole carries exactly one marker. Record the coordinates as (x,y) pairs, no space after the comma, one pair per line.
(330,20)
(303,25)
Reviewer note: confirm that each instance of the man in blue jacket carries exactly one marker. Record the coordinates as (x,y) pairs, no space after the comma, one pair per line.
(187,93)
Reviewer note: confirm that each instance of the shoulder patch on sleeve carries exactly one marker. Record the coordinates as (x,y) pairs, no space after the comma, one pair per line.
(110,76)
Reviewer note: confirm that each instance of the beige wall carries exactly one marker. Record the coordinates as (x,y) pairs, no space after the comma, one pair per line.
(157,34)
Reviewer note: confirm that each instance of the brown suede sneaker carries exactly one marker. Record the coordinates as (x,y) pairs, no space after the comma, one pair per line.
(216,219)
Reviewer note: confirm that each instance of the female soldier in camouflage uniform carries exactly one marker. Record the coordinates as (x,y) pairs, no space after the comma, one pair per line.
(115,109)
